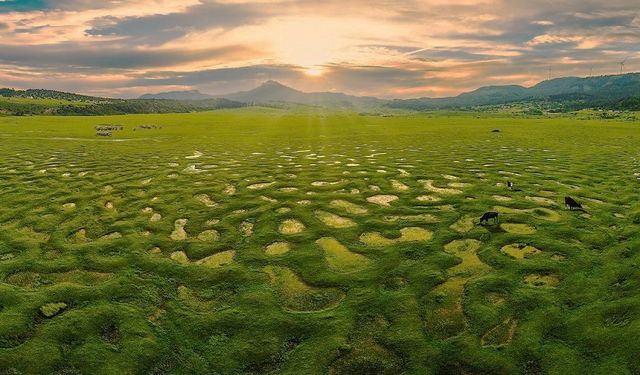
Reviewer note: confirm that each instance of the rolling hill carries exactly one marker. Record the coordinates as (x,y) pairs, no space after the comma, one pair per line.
(177,95)
(591,91)
(51,102)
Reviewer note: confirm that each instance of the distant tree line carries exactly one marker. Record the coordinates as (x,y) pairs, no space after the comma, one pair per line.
(553,104)
(47,94)
(49,102)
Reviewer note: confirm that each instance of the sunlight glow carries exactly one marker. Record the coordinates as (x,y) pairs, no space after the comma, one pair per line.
(314,71)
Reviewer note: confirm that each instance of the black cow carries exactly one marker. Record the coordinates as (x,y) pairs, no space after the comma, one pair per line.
(488,216)
(510,185)
(572,204)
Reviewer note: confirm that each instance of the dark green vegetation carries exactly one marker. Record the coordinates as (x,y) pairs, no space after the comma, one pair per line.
(48,102)
(260,241)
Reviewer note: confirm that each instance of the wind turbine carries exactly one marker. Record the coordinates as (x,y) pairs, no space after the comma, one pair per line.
(622,64)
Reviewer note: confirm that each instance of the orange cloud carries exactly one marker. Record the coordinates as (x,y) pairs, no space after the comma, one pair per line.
(411,47)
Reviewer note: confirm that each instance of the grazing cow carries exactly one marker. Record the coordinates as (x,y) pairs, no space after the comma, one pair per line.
(572,204)
(510,185)
(108,128)
(488,216)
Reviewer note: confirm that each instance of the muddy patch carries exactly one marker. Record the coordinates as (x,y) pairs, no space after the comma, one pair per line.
(229,189)
(411,234)
(297,296)
(192,169)
(349,207)
(179,234)
(260,186)
(399,186)
(206,200)
(325,183)
(428,185)
(268,199)
(445,316)
(464,225)
(209,235)
(501,334)
(277,248)
(466,250)
(520,250)
(246,228)
(334,221)
(458,185)
(218,260)
(340,258)
(111,236)
(80,236)
(80,277)
(180,257)
(513,228)
(424,218)
(196,155)
(382,200)
(428,198)
(289,189)
(291,226)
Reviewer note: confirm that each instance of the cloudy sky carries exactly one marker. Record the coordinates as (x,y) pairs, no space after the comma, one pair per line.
(385,48)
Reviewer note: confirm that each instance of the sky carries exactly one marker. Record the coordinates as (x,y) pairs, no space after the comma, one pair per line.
(383,48)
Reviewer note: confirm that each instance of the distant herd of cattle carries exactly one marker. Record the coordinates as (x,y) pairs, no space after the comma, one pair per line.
(107,130)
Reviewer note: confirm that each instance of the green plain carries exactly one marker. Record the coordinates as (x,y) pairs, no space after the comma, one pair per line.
(91,284)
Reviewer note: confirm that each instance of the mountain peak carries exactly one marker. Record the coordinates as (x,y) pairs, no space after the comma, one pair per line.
(272,83)
(177,95)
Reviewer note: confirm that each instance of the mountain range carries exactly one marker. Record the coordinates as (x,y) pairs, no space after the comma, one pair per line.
(177,95)
(614,92)
(588,91)
(275,92)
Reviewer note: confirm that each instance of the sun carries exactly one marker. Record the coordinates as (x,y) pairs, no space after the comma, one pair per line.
(313,72)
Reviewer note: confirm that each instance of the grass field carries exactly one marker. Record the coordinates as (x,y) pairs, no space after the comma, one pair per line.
(261,241)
